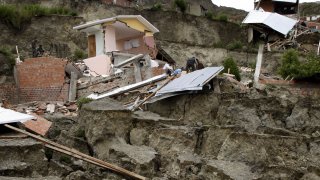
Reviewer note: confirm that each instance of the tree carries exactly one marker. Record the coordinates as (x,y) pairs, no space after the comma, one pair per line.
(290,64)
(229,63)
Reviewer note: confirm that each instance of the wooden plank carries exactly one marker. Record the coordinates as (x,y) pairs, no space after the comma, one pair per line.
(152,94)
(76,153)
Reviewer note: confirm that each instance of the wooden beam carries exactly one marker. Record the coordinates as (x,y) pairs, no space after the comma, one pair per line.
(78,154)
(152,94)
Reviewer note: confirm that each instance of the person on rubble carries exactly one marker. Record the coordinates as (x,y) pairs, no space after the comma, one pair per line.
(168,68)
(193,64)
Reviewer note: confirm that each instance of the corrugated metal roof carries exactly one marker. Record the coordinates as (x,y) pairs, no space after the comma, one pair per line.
(191,81)
(10,116)
(277,22)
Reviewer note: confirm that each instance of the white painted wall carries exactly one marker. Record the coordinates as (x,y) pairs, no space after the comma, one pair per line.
(99,43)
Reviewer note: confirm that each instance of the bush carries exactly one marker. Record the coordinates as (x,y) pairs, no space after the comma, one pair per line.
(156,7)
(181,4)
(16,16)
(229,63)
(235,45)
(79,55)
(222,17)
(8,55)
(65,159)
(82,101)
(209,15)
(290,64)
(291,67)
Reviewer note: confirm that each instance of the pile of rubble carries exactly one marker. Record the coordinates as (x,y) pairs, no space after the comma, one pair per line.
(42,108)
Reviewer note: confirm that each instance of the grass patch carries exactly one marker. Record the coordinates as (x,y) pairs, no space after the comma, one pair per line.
(65,159)
(83,100)
(16,16)
(156,7)
(235,45)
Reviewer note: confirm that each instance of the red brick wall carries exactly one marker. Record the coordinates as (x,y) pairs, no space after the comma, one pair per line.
(44,94)
(9,92)
(41,72)
(42,79)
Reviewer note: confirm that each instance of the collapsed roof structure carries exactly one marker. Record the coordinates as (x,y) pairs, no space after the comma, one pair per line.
(269,21)
(284,7)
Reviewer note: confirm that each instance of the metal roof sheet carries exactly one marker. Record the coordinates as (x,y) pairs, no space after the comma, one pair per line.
(277,22)
(191,81)
(289,1)
(10,116)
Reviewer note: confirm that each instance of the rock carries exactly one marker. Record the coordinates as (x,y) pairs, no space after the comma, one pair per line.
(310,176)
(78,175)
(140,159)
(72,107)
(228,170)
(270,149)
(42,106)
(50,108)
(138,137)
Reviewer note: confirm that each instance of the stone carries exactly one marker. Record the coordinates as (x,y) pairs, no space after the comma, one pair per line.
(50,108)
(228,170)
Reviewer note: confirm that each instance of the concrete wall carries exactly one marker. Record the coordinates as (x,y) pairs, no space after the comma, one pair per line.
(110,39)
(99,43)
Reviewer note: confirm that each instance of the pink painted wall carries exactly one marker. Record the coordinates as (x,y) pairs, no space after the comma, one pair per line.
(99,65)
(110,39)
(141,49)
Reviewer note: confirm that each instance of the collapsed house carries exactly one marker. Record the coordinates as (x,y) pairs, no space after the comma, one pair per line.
(283,7)
(122,47)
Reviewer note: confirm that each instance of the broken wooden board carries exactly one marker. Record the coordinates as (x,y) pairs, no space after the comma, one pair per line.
(39,126)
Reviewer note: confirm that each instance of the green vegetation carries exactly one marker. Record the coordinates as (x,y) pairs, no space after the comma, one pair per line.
(222,17)
(293,68)
(79,55)
(80,133)
(219,44)
(181,4)
(209,15)
(16,16)
(234,45)
(65,159)
(8,55)
(229,63)
(83,100)
(156,7)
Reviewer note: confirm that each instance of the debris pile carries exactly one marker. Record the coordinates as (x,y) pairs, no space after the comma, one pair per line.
(42,108)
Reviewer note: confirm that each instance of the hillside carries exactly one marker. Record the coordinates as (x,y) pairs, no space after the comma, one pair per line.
(308,9)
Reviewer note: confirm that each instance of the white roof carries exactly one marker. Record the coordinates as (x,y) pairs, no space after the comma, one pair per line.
(277,22)
(102,21)
(128,88)
(289,1)
(192,81)
(10,116)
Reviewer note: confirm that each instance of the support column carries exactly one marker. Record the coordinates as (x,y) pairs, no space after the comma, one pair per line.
(258,64)
(73,87)
(137,71)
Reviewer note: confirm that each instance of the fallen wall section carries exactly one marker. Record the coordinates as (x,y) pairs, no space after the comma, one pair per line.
(42,79)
